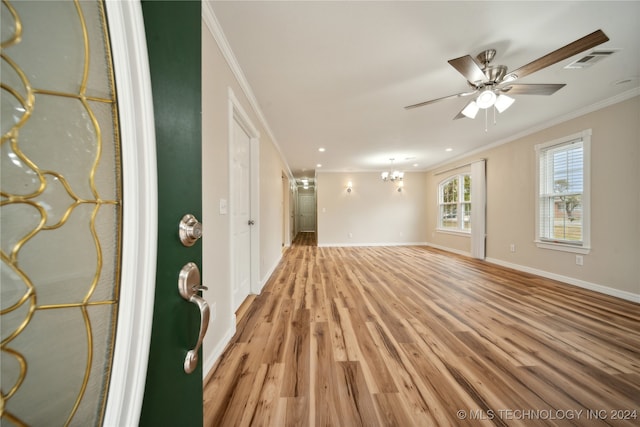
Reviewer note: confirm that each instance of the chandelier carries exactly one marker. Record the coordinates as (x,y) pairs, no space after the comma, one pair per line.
(392,175)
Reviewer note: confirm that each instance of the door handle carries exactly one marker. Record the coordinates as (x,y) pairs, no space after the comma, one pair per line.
(188,286)
(251,222)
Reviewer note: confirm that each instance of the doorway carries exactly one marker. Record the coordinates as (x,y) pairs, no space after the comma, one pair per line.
(243,165)
(307,210)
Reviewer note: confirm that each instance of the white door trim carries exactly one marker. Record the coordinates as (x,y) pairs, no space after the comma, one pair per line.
(238,114)
(139,234)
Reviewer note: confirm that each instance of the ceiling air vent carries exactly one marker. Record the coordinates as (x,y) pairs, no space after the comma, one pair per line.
(591,58)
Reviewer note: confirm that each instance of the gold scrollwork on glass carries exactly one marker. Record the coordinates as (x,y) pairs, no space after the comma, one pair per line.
(60,200)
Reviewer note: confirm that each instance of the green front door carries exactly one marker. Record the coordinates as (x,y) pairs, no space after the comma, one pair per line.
(173,397)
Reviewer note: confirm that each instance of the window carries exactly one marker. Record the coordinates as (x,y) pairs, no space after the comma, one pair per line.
(454,198)
(562,211)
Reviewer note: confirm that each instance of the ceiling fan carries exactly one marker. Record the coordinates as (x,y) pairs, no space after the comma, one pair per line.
(491,83)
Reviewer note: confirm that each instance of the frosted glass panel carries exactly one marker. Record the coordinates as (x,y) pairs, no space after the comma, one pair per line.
(58,36)
(60,136)
(107,233)
(107,173)
(13,110)
(99,80)
(18,221)
(55,366)
(100,318)
(13,287)
(60,212)
(62,276)
(16,175)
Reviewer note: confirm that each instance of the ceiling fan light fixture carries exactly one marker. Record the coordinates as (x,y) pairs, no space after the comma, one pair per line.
(486,99)
(503,102)
(471,110)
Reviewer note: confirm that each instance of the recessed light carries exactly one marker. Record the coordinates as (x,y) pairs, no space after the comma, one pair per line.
(321,149)
(448,150)
(415,165)
(318,165)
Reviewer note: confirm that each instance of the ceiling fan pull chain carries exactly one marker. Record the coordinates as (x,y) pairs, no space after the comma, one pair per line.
(485,120)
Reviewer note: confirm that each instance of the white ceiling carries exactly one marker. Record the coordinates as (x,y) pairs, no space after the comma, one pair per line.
(337,74)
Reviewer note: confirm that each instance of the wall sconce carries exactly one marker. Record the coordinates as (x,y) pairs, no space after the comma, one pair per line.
(400,186)
(349,187)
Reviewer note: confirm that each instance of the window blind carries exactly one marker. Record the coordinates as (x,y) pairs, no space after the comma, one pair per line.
(561,188)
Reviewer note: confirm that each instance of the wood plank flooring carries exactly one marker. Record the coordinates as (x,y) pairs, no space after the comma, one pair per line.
(413,336)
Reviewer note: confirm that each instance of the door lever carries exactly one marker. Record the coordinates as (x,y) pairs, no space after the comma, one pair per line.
(189,286)
(251,222)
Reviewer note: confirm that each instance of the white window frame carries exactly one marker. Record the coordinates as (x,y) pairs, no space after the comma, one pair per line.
(460,204)
(585,246)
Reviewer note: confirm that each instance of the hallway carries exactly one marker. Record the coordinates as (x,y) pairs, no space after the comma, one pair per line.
(416,336)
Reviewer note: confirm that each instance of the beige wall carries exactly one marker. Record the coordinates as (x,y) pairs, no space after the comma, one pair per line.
(374,213)
(613,265)
(217,78)
(271,210)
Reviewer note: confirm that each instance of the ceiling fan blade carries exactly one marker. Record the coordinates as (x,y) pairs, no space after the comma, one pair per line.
(457,95)
(532,89)
(469,68)
(460,115)
(580,45)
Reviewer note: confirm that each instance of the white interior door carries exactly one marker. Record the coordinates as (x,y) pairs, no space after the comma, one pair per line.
(241,213)
(307,212)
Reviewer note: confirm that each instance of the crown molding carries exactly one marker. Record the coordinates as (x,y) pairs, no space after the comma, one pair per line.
(212,23)
(546,125)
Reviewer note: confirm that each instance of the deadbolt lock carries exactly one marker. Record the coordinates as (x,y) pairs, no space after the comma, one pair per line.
(190,230)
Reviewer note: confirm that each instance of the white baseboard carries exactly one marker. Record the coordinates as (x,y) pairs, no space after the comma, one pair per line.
(212,358)
(220,347)
(350,245)
(267,276)
(629,296)
(444,248)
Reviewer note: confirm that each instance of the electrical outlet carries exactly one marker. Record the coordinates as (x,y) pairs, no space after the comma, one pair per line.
(512,247)
(579,260)
(350,235)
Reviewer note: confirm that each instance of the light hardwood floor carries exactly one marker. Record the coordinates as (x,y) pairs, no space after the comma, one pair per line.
(413,336)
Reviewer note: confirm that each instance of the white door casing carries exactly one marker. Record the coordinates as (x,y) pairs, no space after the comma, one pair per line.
(140,217)
(244,203)
(241,212)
